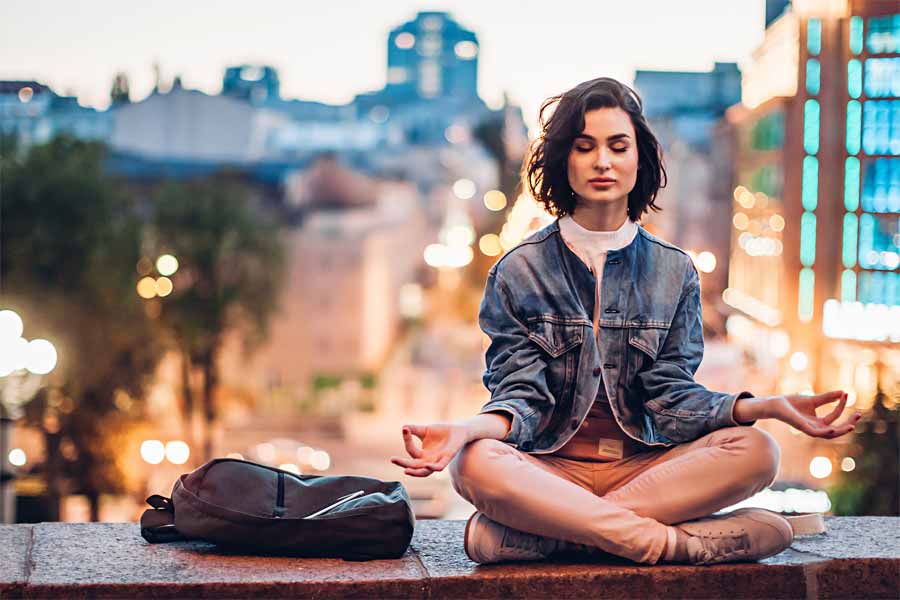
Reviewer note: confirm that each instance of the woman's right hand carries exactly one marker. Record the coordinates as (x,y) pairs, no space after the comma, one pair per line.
(439,444)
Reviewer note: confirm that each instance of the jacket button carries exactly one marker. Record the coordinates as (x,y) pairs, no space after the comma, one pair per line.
(597,372)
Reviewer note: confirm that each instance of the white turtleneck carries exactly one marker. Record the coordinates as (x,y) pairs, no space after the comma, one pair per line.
(591,247)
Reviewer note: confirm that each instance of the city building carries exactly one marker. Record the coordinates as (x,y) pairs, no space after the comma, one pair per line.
(361,241)
(432,81)
(34,113)
(682,109)
(815,243)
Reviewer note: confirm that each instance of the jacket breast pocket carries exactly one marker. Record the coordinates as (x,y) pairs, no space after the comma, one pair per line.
(643,348)
(561,340)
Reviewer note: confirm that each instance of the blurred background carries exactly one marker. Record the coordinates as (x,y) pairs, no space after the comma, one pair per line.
(263,231)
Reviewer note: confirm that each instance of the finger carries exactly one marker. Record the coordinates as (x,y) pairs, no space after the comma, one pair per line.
(836,412)
(410,442)
(827,397)
(843,430)
(418,472)
(409,463)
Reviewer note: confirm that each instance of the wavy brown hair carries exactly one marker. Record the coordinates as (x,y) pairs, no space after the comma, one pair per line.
(545,173)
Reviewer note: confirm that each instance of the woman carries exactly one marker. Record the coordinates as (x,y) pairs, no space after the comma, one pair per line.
(596,434)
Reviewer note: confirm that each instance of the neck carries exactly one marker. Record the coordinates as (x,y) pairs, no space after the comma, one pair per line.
(601,217)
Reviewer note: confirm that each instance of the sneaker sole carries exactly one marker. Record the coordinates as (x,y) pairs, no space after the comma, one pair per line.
(466,537)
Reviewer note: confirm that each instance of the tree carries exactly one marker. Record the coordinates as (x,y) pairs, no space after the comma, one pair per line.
(70,241)
(871,488)
(231,260)
(119,93)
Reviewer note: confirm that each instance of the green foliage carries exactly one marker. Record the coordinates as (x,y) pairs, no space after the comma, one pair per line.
(231,266)
(70,242)
(231,260)
(873,487)
(322,381)
(368,381)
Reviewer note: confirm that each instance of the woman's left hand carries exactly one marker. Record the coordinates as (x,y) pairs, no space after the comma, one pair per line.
(799,411)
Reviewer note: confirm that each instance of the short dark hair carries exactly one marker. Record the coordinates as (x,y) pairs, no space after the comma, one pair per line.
(545,172)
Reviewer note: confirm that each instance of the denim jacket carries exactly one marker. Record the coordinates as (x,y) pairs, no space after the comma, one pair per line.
(545,368)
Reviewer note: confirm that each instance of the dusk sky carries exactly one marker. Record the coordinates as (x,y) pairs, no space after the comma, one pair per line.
(331,50)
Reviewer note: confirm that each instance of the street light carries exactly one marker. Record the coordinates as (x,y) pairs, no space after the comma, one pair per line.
(22,366)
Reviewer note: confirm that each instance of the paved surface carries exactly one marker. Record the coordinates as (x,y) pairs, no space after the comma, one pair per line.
(858,557)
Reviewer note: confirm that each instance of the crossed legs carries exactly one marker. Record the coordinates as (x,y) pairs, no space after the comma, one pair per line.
(623,507)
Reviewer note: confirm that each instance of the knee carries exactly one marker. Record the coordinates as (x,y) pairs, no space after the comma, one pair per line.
(469,468)
(763,455)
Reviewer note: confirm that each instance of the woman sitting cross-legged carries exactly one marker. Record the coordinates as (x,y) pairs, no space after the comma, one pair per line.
(596,435)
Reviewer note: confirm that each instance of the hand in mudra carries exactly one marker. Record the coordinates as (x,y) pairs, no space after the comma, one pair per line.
(439,444)
(799,411)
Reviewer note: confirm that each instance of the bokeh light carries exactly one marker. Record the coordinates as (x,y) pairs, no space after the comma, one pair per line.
(320,460)
(177,452)
(799,361)
(10,325)
(166,264)
(495,200)
(146,288)
(489,244)
(17,457)
(41,357)
(820,467)
(464,189)
(153,451)
(164,286)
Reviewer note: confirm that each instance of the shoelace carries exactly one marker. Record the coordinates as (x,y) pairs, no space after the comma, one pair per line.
(720,548)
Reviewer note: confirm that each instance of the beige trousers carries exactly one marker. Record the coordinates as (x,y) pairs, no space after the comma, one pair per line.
(624,507)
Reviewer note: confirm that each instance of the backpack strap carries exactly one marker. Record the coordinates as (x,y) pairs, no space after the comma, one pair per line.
(158,523)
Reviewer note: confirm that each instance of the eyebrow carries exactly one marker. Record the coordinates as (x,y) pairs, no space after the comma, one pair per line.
(611,138)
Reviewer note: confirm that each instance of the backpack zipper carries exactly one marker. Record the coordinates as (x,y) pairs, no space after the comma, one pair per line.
(279,501)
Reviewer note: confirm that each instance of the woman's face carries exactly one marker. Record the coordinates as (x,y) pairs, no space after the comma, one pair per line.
(603,161)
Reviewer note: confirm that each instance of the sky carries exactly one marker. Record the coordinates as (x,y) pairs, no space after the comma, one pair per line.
(333,49)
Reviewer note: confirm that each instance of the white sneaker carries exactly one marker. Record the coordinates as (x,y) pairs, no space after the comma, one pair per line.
(746,534)
(487,541)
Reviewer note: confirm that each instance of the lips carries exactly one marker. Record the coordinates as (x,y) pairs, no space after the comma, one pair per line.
(601,180)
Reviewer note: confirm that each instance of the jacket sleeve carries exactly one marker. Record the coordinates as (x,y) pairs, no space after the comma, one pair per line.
(515,372)
(682,409)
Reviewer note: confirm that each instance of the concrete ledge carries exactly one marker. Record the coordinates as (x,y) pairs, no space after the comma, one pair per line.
(858,557)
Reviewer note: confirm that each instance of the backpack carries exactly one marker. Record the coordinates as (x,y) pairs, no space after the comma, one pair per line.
(261,509)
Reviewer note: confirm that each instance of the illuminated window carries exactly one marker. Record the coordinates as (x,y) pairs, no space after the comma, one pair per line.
(848,286)
(856,35)
(851,183)
(851,226)
(882,77)
(812,76)
(811,126)
(808,239)
(809,193)
(854,77)
(806,293)
(883,34)
(881,127)
(854,126)
(881,186)
(814,36)
(879,288)
(878,242)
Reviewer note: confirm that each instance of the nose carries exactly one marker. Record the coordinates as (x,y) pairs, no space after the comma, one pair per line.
(603,159)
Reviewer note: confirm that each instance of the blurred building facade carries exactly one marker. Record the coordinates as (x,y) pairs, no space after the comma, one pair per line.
(683,109)
(815,246)
(361,241)
(34,113)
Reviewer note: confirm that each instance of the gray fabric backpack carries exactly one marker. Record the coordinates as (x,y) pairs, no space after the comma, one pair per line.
(252,507)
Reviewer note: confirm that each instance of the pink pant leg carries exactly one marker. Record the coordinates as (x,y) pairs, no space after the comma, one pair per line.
(530,494)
